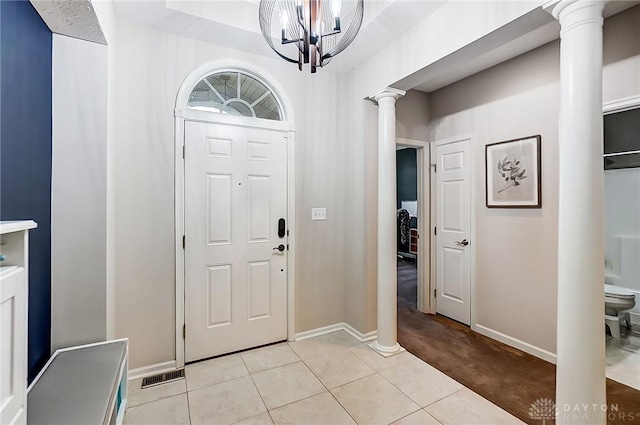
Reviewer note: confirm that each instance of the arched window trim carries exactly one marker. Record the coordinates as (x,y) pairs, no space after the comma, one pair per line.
(212,68)
(242,78)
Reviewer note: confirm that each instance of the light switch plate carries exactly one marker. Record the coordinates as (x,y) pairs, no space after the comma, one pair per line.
(318,213)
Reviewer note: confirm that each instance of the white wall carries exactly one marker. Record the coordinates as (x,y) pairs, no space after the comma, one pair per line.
(106,16)
(447,30)
(149,67)
(336,155)
(516,250)
(412,116)
(335,164)
(621,56)
(412,119)
(79,192)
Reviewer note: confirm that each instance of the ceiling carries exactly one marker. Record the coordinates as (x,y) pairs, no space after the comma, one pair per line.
(234,23)
(75,19)
(522,35)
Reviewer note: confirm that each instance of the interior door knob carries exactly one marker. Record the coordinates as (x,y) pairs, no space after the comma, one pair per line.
(463,242)
(279,248)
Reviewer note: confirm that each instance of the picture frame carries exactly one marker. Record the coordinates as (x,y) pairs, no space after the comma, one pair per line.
(513,173)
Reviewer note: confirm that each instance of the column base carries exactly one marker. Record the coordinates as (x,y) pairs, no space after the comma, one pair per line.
(385,351)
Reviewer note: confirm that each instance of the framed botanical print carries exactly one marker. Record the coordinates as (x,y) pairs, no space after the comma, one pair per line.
(513,173)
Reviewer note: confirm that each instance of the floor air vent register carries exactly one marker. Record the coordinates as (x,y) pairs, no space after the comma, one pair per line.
(162,378)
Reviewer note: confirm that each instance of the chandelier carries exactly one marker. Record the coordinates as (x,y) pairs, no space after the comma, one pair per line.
(310,31)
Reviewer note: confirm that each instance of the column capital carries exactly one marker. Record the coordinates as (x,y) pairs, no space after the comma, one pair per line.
(571,13)
(387,92)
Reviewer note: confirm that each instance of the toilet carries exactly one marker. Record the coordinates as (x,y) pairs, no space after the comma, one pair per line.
(616,301)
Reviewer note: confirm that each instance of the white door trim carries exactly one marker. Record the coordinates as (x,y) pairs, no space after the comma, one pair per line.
(291,252)
(423,258)
(472,245)
(179,227)
(182,114)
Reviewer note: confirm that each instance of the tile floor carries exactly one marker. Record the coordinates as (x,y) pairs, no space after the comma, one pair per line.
(332,379)
(623,357)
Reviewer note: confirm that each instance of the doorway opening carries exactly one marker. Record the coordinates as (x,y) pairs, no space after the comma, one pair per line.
(407,224)
(412,221)
(622,240)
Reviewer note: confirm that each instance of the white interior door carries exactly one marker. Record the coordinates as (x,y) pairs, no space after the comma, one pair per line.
(453,222)
(235,281)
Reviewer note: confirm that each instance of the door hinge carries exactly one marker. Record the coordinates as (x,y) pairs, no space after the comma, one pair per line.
(184,151)
(287,247)
(184,241)
(435,293)
(435,167)
(184,331)
(435,231)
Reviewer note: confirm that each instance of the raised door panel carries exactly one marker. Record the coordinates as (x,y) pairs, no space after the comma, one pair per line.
(259,287)
(453,273)
(218,208)
(452,201)
(219,295)
(259,208)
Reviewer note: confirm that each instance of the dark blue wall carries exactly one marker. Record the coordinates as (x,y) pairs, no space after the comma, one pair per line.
(406,175)
(25,155)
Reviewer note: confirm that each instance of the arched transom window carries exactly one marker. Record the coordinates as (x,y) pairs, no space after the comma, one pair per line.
(235,93)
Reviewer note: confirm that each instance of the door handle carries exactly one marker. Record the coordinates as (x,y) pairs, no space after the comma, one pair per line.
(463,242)
(279,248)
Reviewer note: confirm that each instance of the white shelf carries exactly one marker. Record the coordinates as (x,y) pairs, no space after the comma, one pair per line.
(7,270)
(16,226)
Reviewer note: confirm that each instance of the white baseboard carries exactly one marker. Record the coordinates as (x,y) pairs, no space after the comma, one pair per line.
(516,343)
(342,326)
(169,366)
(154,369)
(369,336)
(319,331)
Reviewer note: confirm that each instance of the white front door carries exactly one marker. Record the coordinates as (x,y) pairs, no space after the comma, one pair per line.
(453,222)
(235,277)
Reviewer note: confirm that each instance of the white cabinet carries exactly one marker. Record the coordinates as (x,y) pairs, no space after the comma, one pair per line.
(13,320)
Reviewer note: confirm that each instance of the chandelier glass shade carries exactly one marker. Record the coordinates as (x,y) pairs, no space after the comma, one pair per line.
(310,31)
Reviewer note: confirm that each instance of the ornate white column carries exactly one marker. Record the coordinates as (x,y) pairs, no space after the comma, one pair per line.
(580,374)
(387,339)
